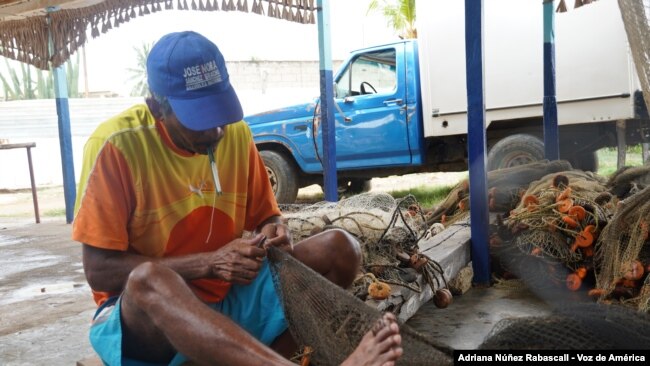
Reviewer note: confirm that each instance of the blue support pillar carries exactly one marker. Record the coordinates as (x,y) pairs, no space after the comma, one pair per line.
(65,136)
(476,142)
(326,100)
(551,134)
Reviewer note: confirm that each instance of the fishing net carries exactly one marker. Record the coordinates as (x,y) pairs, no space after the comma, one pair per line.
(623,253)
(573,326)
(627,180)
(505,187)
(548,239)
(388,229)
(331,321)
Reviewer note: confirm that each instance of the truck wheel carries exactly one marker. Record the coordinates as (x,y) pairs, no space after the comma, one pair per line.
(354,186)
(587,161)
(515,150)
(282,175)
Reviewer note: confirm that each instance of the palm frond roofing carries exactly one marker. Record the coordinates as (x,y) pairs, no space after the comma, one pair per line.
(24,23)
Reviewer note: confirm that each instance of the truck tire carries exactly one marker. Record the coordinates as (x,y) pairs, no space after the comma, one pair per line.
(282,175)
(515,150)
(354,186)
(587,161)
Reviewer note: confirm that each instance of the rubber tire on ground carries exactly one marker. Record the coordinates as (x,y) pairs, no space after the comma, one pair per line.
(282,175)
(515,150)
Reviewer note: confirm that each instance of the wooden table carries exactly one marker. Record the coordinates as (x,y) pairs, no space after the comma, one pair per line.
(28,146)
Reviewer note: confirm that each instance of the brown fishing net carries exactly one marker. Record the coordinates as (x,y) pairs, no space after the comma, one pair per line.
(332,321)
(627,180)
(576,326)
(557,220)
(564,236)
(505,187)
(388,229)
(623,253)
(570,257)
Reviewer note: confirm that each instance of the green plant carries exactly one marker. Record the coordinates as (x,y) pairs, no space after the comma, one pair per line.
(44,84)
(399,13)
(13,89)
(72,75)
(139,72)
(23,86)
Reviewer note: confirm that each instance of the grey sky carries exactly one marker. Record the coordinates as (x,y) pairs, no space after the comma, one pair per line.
(240,36)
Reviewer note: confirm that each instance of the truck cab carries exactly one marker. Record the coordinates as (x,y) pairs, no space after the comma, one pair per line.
(378,126)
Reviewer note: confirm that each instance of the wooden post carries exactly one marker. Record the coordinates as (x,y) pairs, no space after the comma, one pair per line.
(620,143)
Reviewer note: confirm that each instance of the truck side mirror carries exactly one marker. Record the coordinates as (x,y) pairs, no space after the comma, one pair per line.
(335,90)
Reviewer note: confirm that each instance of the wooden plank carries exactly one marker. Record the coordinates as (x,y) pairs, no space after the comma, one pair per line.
(450,249)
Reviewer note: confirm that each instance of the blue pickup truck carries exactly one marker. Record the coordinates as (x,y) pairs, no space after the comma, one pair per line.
(401,107)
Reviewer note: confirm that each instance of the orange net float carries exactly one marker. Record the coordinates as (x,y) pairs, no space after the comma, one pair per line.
(577,212)
(565,194)
(581,272)
(573,282)
(564,205)
(569,221)
(585,238)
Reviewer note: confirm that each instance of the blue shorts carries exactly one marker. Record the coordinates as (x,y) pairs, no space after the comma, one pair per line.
(255,307)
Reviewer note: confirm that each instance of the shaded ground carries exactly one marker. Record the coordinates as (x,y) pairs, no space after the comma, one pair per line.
(46,305)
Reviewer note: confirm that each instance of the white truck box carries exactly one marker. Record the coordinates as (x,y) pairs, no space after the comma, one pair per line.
(593,63)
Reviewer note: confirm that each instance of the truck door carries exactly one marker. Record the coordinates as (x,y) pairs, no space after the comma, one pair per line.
(371,123)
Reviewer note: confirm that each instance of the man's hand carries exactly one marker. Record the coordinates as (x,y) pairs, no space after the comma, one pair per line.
(278,236)
(238,261)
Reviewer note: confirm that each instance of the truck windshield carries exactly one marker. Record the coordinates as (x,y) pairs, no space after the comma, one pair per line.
(369,73)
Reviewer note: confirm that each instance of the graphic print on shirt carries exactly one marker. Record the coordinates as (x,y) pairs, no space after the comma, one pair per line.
(199,188)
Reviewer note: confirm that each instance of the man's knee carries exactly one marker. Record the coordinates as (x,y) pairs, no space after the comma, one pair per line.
(346,256)
(345,244)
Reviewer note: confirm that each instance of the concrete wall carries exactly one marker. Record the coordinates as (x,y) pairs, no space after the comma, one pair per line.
(262,75)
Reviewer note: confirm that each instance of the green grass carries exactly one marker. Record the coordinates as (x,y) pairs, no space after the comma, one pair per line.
(427,197)
(607,159)
(54,212)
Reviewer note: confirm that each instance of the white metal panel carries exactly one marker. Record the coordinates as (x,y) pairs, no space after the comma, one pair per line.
(592,60)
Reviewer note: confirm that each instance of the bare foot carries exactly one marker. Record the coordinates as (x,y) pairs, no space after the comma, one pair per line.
(381,346)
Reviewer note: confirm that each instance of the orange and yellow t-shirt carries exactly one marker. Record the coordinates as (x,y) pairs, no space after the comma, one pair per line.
(140,193)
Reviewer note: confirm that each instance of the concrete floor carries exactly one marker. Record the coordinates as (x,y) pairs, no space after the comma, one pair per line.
(46,305)
(471,316)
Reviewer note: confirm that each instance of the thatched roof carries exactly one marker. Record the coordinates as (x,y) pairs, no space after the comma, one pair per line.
(24,23)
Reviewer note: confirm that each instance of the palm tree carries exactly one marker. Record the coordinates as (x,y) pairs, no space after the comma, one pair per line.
(139,72)
(18,81)
(400,15)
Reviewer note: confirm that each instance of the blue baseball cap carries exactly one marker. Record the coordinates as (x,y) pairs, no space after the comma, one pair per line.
(189,70)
